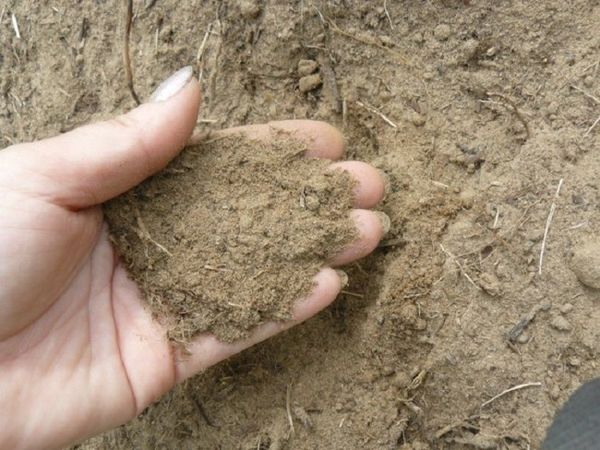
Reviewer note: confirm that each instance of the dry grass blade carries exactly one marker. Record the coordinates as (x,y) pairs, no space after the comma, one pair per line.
(548,222)
(592,127)
(15,25)
(126,57)
(512,389)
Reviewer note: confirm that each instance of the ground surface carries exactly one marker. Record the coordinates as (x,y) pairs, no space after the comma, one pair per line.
(427,334)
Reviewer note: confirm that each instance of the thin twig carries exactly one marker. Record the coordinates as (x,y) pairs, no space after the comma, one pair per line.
(592,127)
(387,14)
(462,270)
(512,389)
(289,409)
(126,58)
(514,108)
(548,222)
(379,113)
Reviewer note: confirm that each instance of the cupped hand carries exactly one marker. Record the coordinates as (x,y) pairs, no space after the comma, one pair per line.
(79,352)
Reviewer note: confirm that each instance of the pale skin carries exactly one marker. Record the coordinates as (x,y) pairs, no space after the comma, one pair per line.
(79,353)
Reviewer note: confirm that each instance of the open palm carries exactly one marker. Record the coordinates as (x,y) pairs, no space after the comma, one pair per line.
(79,353)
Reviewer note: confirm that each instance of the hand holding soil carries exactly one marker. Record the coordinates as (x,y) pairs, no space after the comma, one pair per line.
(80,351)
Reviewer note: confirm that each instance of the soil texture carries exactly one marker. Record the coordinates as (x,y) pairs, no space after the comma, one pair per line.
(232,233)
(484,116)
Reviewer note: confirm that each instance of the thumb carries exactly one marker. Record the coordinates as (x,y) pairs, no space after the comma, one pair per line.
(97,162)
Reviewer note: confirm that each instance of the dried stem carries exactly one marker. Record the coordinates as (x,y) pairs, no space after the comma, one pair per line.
(126,57)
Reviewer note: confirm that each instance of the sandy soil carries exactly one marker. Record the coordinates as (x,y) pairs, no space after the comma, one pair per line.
(477,111)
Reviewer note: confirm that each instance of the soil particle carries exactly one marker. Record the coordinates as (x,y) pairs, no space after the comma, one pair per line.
(566,308)
(490,284)
(586,264)
(307,67)
(232,233)
(561,324)
(310,82)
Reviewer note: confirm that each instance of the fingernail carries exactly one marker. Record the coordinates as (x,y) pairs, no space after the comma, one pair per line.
(172,85)
(386,223)
(343,278)
(387,184)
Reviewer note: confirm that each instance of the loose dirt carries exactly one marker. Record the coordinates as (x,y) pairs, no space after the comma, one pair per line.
(232,233)
(454,308)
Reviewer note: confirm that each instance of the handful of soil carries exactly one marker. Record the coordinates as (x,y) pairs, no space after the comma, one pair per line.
(232,233)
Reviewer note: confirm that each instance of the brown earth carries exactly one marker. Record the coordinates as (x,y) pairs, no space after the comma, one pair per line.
(231,234)
(477,112)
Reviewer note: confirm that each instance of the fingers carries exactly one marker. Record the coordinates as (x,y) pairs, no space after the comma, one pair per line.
(207,350)
(371,227)
(96,162)
(322,140)
(370,187)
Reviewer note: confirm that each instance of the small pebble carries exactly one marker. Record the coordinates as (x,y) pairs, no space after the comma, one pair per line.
(442,32)
(307,66)
(566,308)
(310,82)
(490,284)
(561,324)
(523,338)
(586,264)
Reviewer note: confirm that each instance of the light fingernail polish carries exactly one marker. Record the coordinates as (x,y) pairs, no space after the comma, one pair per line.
(172,85)
(385,220)
(343,278)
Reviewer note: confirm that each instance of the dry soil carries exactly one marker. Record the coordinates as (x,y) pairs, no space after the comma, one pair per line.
(477,111)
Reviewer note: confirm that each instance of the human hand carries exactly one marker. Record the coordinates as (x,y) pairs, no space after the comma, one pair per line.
(79,352)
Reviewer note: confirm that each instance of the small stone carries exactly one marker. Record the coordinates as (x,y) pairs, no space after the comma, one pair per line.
(307,66)
(566,308)
(523,338)
(554,392)
(310,82)
(561,324)
(586,264)
(442,32)
(490,284)
(588,81)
